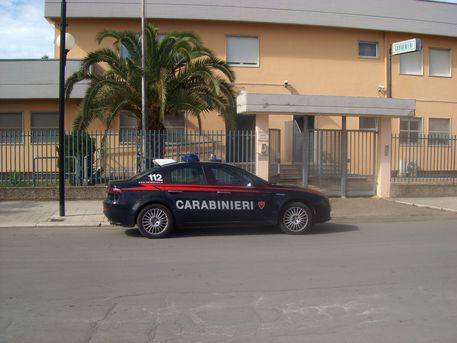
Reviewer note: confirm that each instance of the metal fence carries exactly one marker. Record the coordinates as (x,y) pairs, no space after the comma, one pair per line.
(424,158)
(343,162)
(31,158)
(339,162)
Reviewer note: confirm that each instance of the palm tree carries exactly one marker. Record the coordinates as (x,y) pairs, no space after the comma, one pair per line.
(181,74)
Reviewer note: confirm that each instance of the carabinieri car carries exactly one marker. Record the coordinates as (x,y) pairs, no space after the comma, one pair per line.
(210,194)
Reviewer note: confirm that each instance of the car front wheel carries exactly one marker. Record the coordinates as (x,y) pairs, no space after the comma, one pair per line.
(155,221)
(296,219)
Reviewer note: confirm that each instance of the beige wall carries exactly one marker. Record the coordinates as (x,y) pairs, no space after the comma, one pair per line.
(314,60)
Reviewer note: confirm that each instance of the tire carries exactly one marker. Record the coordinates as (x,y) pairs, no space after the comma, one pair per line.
(155,221)
(296,219)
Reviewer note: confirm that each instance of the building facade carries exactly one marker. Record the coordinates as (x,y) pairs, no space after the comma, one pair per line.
(321,48)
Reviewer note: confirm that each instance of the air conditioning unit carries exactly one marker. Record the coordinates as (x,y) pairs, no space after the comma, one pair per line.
(407,168)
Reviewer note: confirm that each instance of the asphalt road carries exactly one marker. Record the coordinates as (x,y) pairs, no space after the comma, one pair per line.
(372,282)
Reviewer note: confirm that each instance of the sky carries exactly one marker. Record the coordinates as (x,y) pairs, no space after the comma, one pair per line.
(24,33)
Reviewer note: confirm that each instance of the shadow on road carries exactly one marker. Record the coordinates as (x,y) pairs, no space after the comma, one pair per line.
(227,231)
(333,228)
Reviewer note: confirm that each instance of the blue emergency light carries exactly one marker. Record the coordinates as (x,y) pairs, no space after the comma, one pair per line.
(190,158)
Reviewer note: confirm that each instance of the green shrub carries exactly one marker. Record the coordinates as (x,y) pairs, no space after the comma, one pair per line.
(78,146)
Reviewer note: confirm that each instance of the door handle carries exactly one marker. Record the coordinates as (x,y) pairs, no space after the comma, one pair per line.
(222,192)
(174,192)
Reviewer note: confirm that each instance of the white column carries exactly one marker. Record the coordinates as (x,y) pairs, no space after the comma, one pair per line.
(261,145)
(384,153)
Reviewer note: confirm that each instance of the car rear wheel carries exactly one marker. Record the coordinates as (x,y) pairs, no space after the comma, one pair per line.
(155,221)
(296,219)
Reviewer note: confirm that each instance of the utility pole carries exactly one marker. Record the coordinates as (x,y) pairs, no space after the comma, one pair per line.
(63,59)
(143,87)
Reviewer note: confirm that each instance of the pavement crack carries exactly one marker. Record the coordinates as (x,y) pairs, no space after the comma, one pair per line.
(152,333)
(95,325)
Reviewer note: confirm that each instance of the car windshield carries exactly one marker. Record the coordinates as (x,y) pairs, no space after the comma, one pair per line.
(257,180)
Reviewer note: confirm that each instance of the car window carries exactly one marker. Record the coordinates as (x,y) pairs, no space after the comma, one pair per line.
(145,175)
(229,176)
(185,174)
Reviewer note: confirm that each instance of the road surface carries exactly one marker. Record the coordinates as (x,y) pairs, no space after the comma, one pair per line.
(363,282)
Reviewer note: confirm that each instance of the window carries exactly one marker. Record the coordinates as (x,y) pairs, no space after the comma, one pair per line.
(229,176)
(175,126)
(366,123)
(160,36)
(439,62)
(411,63)
(410,130)
(185,175)
(439,131)
(127,128)
(10,127)
(123,52)
(368,49)
(45,127)
(243,51)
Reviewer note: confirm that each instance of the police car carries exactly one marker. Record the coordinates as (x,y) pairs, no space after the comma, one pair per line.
(186,194)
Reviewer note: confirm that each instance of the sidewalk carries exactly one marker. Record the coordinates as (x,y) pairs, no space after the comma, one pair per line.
(46,213)
(441,203)
(90,213)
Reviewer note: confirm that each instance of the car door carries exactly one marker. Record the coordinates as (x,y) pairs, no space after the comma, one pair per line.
(240,199)
(186,189)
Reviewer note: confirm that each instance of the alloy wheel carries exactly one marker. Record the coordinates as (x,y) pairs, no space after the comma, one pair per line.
(295,219)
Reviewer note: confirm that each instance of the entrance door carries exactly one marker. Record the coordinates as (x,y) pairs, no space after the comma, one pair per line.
(275,146)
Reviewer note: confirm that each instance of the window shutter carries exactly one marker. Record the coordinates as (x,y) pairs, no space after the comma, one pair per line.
(11,121)
(440,62)
(45,120)
(243,50)
(175,121)
(128,121)
(436,125)
(368,123)
(411,63)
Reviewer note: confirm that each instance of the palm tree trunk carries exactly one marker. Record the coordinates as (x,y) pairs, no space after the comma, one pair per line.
(157,134)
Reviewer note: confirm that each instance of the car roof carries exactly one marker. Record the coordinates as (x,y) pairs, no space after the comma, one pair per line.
(180,163)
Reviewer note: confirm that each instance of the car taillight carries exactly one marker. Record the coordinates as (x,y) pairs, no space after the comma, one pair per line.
(113,190)
(114,193)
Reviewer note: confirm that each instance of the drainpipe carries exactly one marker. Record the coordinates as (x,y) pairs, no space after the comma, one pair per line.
(305,171)
(344,157)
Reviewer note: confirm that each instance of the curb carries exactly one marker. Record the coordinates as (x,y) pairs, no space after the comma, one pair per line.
(424,206)
(52,225)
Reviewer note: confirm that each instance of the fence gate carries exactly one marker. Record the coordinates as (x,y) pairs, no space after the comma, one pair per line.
(339,162)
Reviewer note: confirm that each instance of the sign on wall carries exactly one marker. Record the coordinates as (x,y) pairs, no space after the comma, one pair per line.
(403,47)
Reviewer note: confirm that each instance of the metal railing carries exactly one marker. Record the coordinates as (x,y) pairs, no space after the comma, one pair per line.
(424,158)
(341,162)
(96,157)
